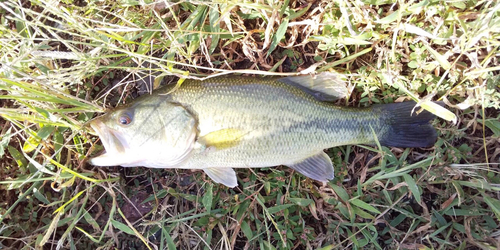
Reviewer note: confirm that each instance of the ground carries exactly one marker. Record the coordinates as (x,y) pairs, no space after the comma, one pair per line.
(65,62)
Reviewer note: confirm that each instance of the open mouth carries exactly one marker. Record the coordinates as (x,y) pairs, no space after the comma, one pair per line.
(112,143)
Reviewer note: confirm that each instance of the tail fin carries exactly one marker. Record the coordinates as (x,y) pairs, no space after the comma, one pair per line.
(406,129)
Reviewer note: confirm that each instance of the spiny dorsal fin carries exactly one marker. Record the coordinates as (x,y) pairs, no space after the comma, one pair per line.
(318,167)
(325,86)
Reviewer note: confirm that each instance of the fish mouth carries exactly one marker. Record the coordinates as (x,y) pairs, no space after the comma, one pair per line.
(113,143)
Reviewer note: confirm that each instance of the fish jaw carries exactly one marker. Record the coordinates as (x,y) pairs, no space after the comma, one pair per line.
(114,145)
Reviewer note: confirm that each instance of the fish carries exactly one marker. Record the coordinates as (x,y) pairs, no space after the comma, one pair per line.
(223,123)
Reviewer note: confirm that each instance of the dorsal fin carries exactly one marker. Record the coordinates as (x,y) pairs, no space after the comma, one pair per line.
(326,86)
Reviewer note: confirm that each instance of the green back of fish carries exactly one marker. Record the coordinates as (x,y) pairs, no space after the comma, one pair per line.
(240,122)
(270,122)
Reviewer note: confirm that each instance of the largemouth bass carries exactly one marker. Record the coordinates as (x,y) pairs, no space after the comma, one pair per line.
(244,122)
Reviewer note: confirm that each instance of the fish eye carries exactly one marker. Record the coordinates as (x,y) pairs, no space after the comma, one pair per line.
(124,119)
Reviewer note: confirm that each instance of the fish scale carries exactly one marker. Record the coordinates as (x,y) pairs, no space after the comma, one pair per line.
(272,130)
(246,122)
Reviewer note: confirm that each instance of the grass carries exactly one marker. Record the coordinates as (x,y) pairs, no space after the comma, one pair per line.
(64,62)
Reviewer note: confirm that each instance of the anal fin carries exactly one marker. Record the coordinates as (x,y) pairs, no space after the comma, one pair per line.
(225,176)
(318,167)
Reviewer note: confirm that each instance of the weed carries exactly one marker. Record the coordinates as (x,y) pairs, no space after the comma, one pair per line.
(64,62)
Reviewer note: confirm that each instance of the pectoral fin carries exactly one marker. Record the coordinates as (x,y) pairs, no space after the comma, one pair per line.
(221,139)
(225,176)
(318,167)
